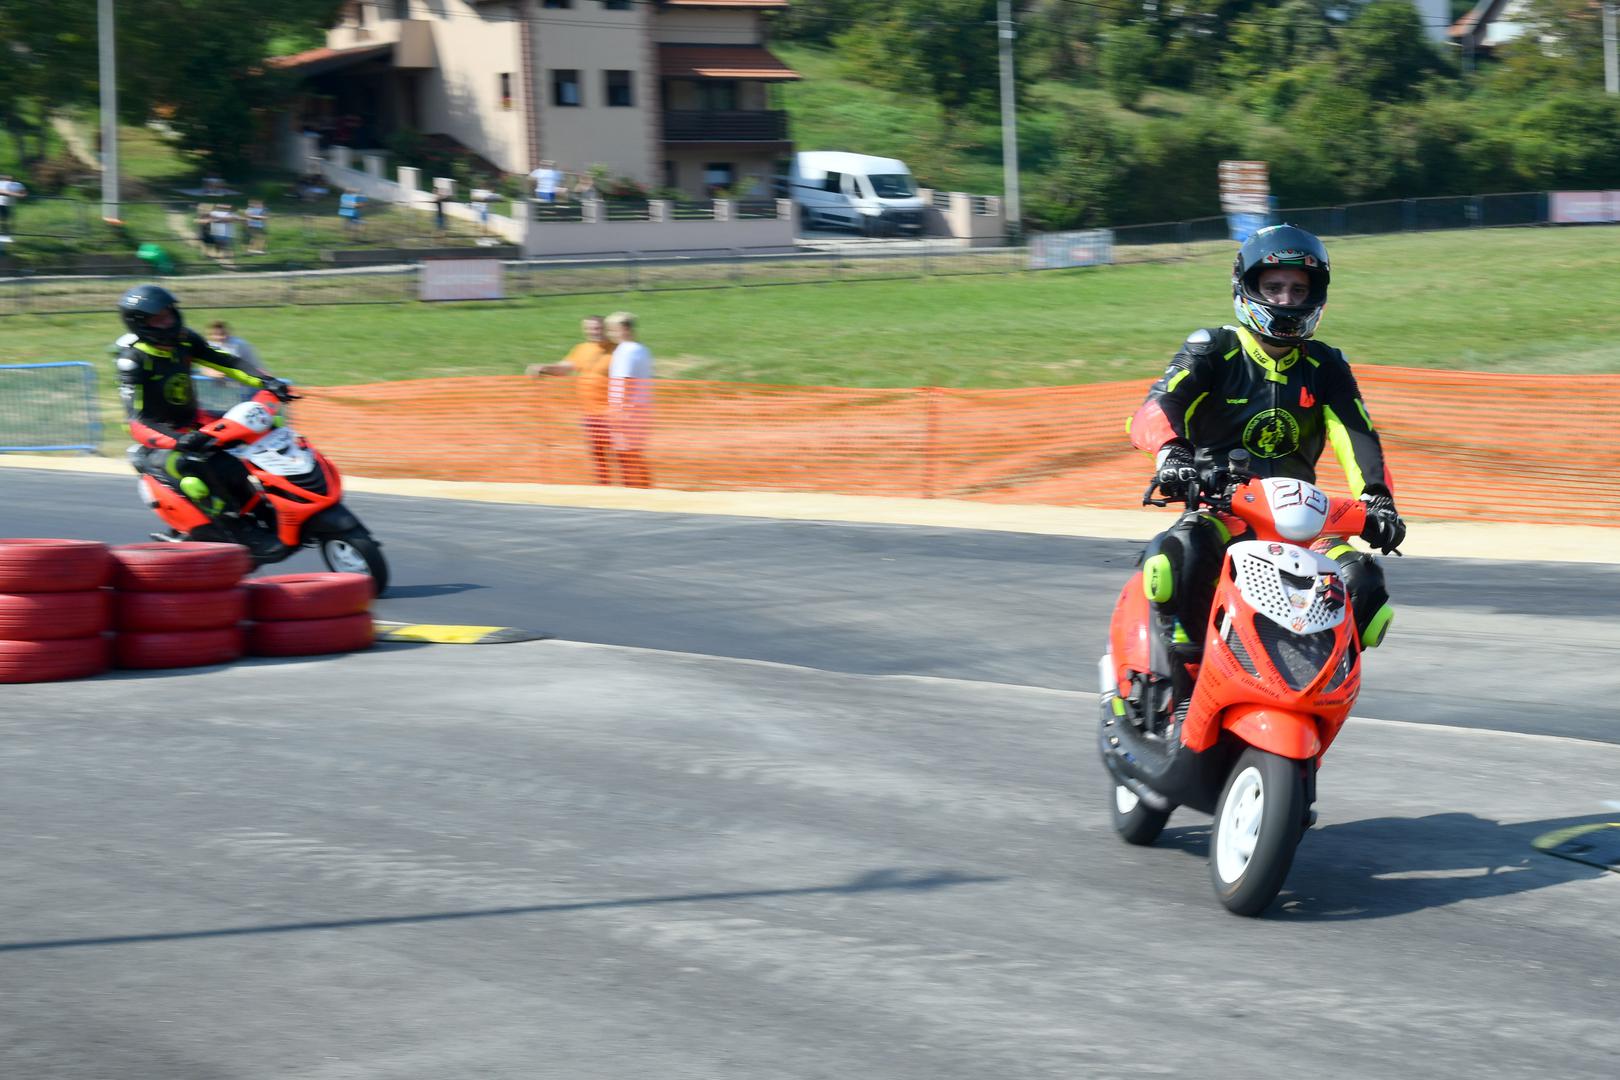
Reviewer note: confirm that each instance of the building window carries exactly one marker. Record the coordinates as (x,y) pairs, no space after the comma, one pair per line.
(616,5)
(671,177)
(506,89)
(717,177)
(402,9)
(564,87)
(618,88)
(717,95)
(558,4)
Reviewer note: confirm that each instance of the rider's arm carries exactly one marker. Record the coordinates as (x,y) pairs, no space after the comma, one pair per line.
(1167,413)
(1350,430)
(234,367)
(143,427)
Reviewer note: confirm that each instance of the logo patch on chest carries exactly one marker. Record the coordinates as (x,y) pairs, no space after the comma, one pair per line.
(1271,434)
(177,389)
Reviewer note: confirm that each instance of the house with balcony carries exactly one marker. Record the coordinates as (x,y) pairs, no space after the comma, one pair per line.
(670,93)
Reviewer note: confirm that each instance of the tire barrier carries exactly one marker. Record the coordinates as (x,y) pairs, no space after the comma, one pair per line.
(53,661)
(170,606)
(1449,436)
(311,637)
(51,566)
(147,612)
(164,567)
(308,596)
(54,616)
(310,614)
(177,648)
(54,609)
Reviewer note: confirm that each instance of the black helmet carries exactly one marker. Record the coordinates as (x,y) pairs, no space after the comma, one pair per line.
(141,305)
(1279,245)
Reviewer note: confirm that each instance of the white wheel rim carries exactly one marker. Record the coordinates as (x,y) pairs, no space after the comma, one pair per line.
(1239,828)
(345,557)
(1125,799)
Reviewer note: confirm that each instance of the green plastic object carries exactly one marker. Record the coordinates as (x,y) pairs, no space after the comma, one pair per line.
(156,257)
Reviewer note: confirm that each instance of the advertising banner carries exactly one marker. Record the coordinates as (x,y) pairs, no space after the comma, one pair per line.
(1054,251)
(462,279)
(1245,187)
(1582,207)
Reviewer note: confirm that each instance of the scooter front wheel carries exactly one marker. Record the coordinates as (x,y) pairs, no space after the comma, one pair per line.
(1257,826)
(1134,820)
(355,552)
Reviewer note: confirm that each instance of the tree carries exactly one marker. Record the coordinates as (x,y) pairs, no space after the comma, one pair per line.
(1127,59)
(214,94)
(1384,51)
(947,48)
(47,60)
(1085,185)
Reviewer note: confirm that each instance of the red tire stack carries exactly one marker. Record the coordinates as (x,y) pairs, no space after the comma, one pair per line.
(309,614)
(54,609)
(178,605)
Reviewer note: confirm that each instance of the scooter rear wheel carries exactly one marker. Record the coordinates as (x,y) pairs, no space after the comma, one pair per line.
(1257,827)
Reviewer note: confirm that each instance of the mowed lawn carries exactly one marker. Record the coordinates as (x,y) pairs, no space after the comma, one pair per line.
(1524,300)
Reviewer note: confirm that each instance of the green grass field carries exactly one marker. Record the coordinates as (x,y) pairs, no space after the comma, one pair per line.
(1524,300)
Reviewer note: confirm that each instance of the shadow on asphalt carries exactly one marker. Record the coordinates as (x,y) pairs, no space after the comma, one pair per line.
(871,882)
(418,592)
(1382,867)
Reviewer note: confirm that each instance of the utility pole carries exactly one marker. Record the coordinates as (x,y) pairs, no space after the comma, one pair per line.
(109,113)
(1009,121)
(1611,69)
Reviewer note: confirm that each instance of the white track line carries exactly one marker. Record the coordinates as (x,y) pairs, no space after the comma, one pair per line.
(1081,695)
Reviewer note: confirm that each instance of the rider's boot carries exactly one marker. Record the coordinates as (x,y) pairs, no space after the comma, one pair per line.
(227,527)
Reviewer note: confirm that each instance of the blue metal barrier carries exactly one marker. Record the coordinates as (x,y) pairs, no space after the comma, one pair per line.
(49,407)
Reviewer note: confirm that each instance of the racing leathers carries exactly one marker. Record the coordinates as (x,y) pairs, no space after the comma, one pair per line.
(160,404)
(1222,392)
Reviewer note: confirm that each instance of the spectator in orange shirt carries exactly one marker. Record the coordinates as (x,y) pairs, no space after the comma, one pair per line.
(588,362)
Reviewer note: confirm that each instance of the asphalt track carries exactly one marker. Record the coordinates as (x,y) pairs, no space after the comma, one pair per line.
(784,800)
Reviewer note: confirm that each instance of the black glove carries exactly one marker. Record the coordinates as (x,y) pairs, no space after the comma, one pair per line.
(1177,469)
(196,442)
(279,388)
(1384,529)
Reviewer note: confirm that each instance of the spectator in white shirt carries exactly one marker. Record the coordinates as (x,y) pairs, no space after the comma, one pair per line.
(630,390)
(546,178)
(10,192)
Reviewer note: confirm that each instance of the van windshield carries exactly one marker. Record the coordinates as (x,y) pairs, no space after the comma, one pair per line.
(894,185)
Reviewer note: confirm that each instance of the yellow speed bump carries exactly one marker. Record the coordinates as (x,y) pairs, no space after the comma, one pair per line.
(1596,843)
(449,634)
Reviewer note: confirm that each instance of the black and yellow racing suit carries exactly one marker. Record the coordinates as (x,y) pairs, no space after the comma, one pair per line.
(1222,391)
(160,405)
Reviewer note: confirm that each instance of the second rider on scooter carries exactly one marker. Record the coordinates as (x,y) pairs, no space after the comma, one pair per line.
(1266,387)
(154,381)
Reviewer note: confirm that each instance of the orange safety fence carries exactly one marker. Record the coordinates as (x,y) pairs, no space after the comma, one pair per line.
(1462,445)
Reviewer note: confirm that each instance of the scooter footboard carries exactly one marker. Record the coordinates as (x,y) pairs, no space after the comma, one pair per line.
(1277,731)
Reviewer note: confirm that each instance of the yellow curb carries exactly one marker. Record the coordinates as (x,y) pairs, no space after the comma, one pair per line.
(1451,539)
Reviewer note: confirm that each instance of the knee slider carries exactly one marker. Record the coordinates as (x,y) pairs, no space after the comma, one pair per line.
(1158,578)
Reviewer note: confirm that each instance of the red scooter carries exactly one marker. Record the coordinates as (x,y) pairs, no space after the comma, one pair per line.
(297,495)
(1254,714)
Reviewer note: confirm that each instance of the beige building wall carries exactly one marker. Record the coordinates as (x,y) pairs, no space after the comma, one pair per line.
(461,97)
(752,167)
(592,40)
(700,26)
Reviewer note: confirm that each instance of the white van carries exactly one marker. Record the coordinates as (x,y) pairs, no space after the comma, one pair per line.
(873,195)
